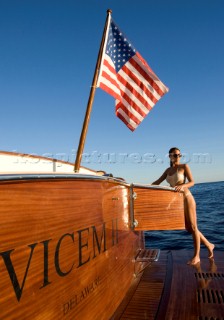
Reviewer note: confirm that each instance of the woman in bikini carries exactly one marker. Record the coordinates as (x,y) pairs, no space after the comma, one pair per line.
(176,175)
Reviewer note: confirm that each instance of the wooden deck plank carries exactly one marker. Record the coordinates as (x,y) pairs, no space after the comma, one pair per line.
(182,298)
(143,303)
(169,289)
(186,286)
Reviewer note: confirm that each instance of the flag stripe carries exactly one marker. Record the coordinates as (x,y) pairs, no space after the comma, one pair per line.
(140,87)
(143,84)
(109,81)
(106,87)
(130,97)
(146,77)
(108,68)
(130,110)
(127,110)
(126,119)
(147,68)
(149,76)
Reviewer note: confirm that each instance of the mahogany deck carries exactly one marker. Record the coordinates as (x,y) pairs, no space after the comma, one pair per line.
(169,289)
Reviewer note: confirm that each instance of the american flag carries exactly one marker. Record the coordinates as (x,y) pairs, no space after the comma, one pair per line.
(126,76)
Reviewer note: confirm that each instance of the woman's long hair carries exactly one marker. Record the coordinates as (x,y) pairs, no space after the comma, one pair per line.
(171,151)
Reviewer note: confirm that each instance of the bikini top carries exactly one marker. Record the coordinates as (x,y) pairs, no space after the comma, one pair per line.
(175,178)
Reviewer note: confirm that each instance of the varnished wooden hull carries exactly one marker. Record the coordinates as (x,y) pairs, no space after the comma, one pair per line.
(67,246)
(66,249)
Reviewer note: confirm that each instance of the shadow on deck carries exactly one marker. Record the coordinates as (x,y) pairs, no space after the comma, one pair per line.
(169,289)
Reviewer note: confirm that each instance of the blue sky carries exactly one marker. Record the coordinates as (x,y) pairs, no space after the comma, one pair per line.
(47,59)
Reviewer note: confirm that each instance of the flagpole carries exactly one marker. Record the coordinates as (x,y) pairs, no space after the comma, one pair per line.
(91,97)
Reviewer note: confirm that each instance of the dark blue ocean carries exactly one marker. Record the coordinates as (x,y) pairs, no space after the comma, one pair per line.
(209,198)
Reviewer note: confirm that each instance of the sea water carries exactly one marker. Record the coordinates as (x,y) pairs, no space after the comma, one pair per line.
(209,199)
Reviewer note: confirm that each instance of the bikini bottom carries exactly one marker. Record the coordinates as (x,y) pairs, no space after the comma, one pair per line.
(188,194)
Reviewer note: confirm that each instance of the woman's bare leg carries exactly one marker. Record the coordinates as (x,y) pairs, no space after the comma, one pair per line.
(191,224)
(210,246)
(196,239)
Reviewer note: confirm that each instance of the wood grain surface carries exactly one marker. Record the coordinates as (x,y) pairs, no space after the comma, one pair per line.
(158,209)
(66,249)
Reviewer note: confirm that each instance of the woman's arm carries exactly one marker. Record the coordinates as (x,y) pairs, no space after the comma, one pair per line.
(189,176)
(161,179)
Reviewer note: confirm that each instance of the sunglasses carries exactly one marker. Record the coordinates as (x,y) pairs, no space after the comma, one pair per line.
(176,155)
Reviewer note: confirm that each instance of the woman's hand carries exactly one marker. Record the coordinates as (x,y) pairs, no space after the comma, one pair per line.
(179,188)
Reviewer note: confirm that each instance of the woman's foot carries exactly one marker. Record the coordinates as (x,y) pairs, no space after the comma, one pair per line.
(194,261)
(210,251)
